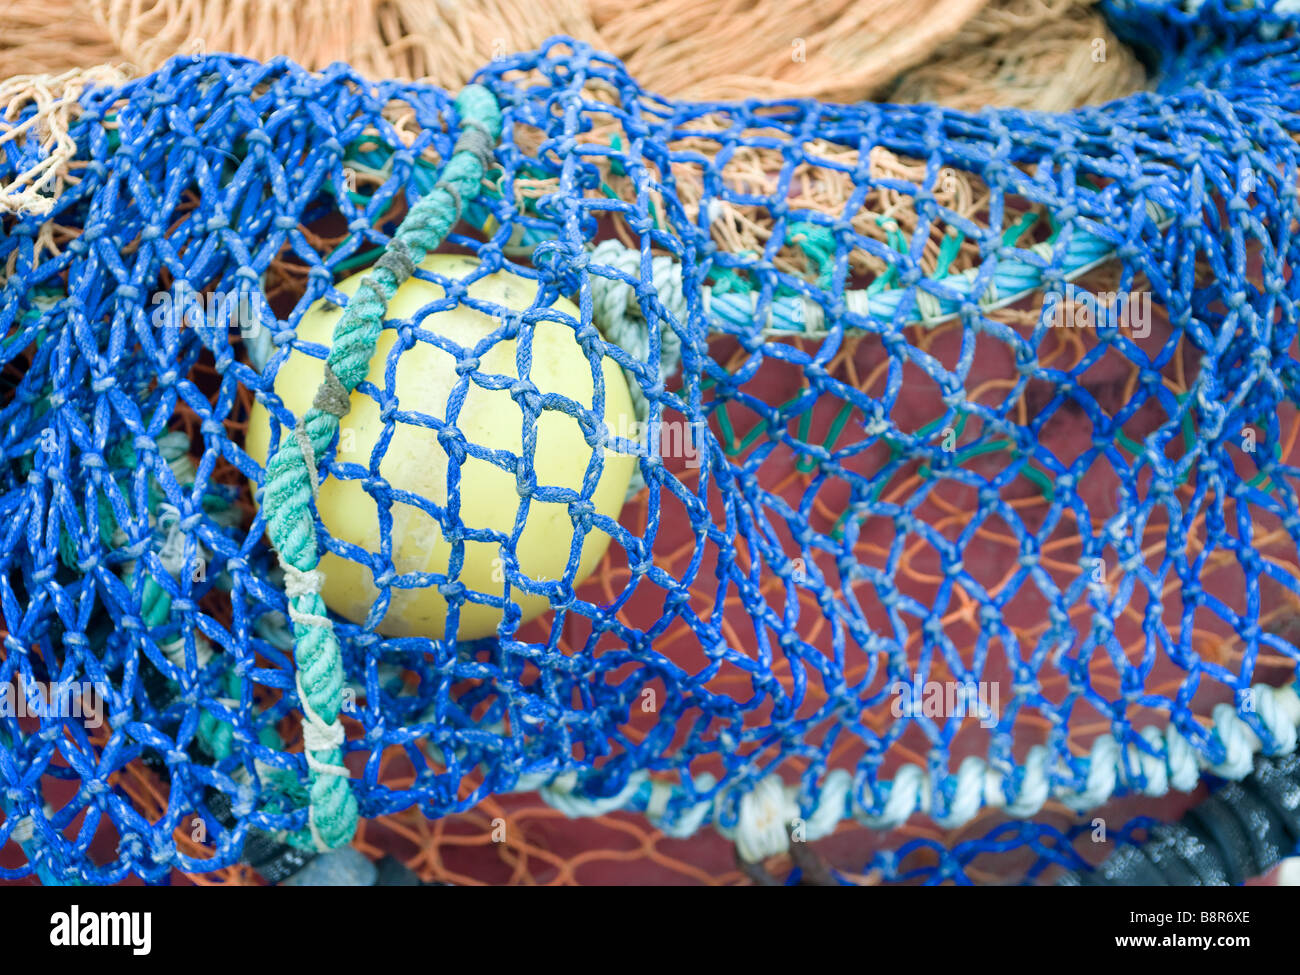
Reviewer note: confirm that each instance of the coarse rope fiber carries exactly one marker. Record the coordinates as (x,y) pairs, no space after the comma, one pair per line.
(214,169)
(834,49)
(1034,54)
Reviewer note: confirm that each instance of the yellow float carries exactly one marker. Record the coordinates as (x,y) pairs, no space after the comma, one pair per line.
(416,462)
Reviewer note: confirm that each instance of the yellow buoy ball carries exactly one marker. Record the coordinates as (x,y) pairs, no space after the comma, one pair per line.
(415,461)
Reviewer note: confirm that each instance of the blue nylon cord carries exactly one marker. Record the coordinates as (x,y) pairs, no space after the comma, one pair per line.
(264,146)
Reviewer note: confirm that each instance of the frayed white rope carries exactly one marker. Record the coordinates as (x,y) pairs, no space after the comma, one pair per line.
(299,583)
(174,651)
(765,814)
(308,455)
(771,808)
(318,735)
(689,819)
(23,830)
(617,311)
(560,794)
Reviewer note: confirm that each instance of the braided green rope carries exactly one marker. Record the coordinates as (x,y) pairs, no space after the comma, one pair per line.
(291,475)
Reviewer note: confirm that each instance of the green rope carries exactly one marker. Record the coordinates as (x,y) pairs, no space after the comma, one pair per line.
(818,245)
(806,464)
(898,242)
(728,280)
(615,163)
(949,248)
(291,474)
(1260,478)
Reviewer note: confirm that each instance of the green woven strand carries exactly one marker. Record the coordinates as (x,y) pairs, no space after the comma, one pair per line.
(291,473)
(818,245)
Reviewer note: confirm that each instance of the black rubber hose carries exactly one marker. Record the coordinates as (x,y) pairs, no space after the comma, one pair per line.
(1241,831)
(275,861)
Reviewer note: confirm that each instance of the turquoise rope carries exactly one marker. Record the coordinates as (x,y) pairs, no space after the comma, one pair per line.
(731,303)
(1013,280)
(291,473)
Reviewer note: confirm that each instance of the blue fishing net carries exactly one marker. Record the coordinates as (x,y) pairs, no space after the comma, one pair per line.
(868,404)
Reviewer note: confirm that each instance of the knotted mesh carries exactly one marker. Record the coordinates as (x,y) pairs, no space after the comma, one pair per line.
(1021,424)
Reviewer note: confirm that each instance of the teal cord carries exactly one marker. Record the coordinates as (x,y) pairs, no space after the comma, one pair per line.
(291,475)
